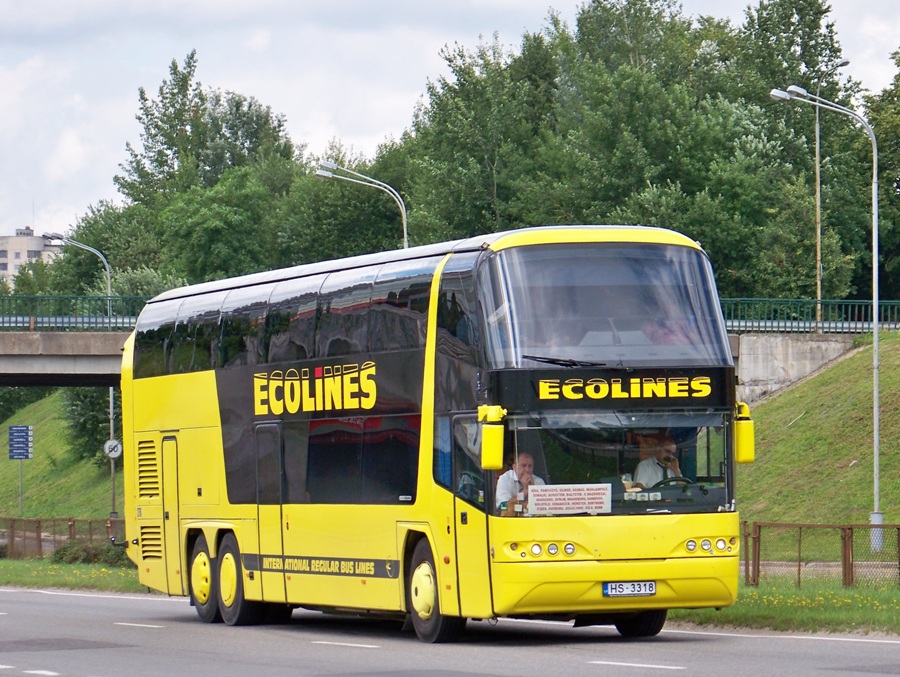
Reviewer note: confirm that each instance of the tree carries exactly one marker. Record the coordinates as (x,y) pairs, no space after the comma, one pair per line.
(191,137)
(32,279)
(474,137)
(883,113)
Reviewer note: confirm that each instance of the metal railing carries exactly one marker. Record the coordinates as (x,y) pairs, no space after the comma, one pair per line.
(119,313)
(855,554)
(800,316)
(36,538)
(69,313)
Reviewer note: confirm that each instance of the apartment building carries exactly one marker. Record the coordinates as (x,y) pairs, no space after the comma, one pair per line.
(22,248)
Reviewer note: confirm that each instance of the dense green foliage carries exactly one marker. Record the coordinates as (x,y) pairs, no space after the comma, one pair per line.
(634,114)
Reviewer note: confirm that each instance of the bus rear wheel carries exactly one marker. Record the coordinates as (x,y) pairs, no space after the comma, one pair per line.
(423,603)
(234,607)
(204,595)
(643,624)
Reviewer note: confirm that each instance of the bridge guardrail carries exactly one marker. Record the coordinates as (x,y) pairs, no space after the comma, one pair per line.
(70,313)
(742,315)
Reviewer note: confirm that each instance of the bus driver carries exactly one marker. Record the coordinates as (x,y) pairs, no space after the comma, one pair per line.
(517,479)
(660,461)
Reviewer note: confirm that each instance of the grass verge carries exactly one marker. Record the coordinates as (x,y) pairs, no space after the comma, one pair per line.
(823,606)
(39,573)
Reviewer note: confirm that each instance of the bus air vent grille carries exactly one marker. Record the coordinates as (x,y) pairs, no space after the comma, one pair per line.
(147,469)
(151,542)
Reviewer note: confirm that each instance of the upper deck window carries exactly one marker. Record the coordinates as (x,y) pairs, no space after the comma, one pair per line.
(612,304)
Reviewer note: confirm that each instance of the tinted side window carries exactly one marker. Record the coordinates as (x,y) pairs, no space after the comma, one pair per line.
(290,331)
(390,459)
(243,322)
(195,340)
(153,333)
(399,311)
(333,471)
(343,309)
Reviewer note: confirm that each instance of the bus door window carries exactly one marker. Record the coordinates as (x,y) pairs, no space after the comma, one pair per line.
(296,445)
(467,473)
(268,464)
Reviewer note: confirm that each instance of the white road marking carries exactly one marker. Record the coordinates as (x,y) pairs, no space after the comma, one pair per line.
(139,625)
(48,673)
(63,593)
(358,646)
(638,665)
(814,638)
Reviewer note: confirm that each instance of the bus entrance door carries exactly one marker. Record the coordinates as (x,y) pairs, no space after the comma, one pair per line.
(472,561)
(269,485)
(171,526)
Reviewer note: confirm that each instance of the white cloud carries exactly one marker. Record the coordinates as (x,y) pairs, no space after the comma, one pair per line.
(351,70)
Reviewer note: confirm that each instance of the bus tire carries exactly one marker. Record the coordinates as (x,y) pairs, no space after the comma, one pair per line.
(422,598)
(643,624)
(234,607)
(204,594)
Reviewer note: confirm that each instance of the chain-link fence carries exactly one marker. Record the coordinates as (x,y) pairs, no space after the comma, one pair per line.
(855,554)
(24,538)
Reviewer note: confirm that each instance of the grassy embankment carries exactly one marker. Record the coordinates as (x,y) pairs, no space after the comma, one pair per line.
(814,465)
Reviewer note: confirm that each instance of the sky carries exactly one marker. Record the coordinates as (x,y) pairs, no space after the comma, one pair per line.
(346,70)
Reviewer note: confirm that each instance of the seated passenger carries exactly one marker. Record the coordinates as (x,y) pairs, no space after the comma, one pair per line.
(517,479)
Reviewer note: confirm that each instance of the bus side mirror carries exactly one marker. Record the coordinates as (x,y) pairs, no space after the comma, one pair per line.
(490,418)
(744,437)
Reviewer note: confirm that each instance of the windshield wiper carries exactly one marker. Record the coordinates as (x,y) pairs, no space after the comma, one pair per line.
(564,362)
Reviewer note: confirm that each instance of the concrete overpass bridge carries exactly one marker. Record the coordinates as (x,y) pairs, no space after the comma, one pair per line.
(47,358)
(64,340)
(77,341)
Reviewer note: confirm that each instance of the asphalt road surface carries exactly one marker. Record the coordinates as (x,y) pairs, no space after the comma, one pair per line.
(84,634)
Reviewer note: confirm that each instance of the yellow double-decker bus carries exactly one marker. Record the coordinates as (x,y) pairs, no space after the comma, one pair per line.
(532,424)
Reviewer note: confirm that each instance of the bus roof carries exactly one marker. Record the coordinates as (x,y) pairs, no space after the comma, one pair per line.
(493,241)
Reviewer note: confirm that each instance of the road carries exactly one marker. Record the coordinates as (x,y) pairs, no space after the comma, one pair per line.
(74,634)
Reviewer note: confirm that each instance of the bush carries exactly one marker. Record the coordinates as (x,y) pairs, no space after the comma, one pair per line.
(90,552)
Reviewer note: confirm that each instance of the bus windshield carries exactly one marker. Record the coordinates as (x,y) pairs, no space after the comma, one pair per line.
(602,304)
(612,464)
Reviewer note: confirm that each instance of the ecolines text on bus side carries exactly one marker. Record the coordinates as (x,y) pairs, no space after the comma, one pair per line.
(338,387)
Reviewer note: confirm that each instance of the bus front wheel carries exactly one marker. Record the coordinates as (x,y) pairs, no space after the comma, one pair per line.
(423,603)
(643,624)
(204,595)
(235,608)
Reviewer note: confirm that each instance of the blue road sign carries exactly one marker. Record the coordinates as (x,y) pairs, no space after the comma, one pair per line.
(21,442)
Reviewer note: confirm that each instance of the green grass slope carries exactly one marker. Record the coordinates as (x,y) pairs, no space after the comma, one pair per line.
(814,453)
(54,484)
(815,449)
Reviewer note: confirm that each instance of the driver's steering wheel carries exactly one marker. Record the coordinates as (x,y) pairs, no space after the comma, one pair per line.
(671,480)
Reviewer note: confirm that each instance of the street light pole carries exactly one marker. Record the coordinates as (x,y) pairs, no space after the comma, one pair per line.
(795,93)
(831,70)
(112,390)
(323,173)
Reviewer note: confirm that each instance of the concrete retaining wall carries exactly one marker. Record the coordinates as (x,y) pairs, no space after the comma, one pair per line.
(767,363)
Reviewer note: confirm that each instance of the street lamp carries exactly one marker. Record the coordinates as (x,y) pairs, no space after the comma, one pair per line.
(112,429)
(831,70)
(795,93)
(323,173)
